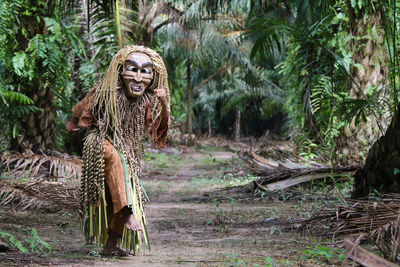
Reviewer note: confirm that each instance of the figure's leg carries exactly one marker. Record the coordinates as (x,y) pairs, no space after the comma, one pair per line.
(114,177)
(116,184)
(114,235)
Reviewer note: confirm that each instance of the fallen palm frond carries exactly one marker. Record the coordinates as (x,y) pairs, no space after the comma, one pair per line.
(29,183)
(22,165)
(277,175)
(365,258)
(39,194)
(375,220)
(379,221)
(285,151)
(357,216)
(273,164)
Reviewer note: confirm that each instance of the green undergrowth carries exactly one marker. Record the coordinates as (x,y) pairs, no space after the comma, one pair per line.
(162,160)
(209,149)
(165,163)
(222,165)
(220,181)
(336,187)
(323,254)
(44,237)
(32,243)
(318,255)
(211,162)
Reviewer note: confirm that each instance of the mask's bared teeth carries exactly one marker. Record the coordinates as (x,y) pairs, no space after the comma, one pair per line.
(136,88)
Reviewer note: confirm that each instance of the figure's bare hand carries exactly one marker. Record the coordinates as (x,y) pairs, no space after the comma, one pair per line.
(72,125)
(161,94)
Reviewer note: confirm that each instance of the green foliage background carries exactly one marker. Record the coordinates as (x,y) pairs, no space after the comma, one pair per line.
(274,61)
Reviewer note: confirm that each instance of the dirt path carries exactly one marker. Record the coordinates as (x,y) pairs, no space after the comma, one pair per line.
(188,225)
(189,229)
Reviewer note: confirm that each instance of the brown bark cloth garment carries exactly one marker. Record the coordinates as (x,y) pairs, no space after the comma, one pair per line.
(103,201)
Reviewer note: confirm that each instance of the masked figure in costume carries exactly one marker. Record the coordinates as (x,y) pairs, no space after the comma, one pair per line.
(132,96)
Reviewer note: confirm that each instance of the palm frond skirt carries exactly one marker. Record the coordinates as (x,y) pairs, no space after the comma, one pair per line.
(95,206)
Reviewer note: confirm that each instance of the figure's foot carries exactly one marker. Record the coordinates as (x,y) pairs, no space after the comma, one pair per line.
(133,224)
(110,252)
(110,249)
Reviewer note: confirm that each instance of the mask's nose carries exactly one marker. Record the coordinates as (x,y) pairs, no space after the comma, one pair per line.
(138,76)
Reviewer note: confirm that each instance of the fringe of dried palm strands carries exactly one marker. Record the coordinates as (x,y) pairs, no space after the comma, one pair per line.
(39,181)
(375,220)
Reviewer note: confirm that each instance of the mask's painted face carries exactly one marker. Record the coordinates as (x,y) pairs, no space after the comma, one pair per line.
(137,74)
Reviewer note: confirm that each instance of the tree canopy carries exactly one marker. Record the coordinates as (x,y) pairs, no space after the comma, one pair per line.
(317,71)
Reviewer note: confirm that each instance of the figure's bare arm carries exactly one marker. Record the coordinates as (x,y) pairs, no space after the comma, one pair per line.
(162,96)
(158,129)
(82,114)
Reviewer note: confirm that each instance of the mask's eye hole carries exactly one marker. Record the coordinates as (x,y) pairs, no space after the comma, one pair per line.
(146,70)
(132,68)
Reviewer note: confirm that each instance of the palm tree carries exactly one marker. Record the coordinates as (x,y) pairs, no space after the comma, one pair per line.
(369,58)
(209,41)
(35,62)
(293,42)
(381,169)
(369,75)
(35,48)
(318,72)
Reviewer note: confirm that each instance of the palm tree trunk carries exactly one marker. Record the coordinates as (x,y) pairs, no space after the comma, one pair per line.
(369,53)
(40,128)
(38,131)
(237,126)
(189,102)
(209,127)
(382,168)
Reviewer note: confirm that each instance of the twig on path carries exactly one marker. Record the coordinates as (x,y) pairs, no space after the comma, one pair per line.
(200,261)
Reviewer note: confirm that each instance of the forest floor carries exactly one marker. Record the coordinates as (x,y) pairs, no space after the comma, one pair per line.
(192,222)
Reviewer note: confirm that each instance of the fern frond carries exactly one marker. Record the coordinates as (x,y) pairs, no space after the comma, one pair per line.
(15,97)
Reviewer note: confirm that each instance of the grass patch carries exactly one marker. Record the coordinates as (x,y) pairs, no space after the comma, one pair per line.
(156,188)
(228,180)
(209,149)
(211,162)
(30,244)
(162,161)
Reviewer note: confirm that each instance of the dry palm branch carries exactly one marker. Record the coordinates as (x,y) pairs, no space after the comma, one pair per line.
(277,175)
(377,220)
(54,167)
(29,181)
(39,194)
